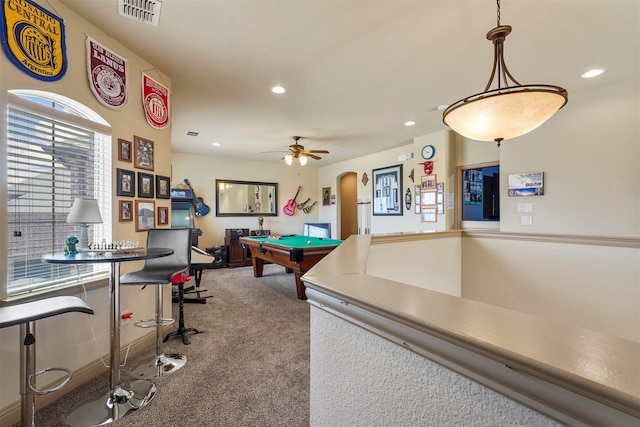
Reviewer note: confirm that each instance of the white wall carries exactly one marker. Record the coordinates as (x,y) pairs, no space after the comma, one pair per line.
(590,154)
(360,379)
(590,286)
(409,221)
(202,172)
(433,264)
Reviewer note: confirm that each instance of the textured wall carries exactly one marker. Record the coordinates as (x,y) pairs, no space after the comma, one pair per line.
(361,379)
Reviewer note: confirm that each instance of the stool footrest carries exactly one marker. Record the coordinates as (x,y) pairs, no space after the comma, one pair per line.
(151,323)
(63,382)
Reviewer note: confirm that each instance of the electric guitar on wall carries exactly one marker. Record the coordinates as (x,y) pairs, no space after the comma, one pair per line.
(198,204)
(290,207)
(308,208)
(301,204)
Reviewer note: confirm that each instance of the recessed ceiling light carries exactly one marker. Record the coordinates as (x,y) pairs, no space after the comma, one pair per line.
(593,73)
(278,89)
(216,144)
(409,123)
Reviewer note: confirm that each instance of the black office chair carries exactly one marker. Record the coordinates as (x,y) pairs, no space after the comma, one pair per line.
(25,315)
(160,272)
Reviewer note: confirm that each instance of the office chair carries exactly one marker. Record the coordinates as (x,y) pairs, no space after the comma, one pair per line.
(25,315)
(160,272)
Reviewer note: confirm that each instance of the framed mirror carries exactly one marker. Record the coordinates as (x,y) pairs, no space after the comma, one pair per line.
(246,198)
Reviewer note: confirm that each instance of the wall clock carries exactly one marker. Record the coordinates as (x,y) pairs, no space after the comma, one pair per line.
(428,151)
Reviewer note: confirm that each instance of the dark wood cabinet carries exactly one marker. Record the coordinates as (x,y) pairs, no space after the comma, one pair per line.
(238,256)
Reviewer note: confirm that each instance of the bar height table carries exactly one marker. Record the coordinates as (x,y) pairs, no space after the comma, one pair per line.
(106,406)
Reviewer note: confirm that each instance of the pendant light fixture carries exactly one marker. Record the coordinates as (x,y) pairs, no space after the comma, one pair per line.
(510,110)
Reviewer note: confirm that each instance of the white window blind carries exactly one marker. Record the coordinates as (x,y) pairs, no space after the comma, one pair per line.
(53,156)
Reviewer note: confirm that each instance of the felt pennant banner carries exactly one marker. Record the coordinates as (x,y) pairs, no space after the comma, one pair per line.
(155,98)
(107,74)
(33,39)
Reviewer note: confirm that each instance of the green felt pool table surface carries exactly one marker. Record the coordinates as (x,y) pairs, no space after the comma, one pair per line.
(296,253)
(296,241)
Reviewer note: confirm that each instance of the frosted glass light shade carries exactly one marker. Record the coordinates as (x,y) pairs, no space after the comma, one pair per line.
(504,113)
(288,159)
(303,160)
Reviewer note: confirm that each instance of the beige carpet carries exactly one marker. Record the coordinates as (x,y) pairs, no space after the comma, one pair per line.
(249,367)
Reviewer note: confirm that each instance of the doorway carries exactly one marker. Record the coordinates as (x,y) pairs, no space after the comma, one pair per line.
(348,205)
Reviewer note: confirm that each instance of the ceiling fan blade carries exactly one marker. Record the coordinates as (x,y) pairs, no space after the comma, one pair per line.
(317,151)
(313,156)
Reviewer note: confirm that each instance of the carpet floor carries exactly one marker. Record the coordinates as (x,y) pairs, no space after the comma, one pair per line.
(248,367)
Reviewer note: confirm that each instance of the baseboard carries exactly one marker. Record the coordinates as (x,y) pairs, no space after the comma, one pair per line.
(10,414)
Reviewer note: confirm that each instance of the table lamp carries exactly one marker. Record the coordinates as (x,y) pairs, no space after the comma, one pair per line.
(84,212)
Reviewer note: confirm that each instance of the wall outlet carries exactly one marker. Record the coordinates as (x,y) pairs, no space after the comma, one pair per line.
(526,220)
(525,207)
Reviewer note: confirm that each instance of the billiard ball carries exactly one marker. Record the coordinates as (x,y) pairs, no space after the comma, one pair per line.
(308,242)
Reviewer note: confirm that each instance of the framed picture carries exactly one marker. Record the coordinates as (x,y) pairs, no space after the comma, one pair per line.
(326,196)
(428,182)
(145,214)
(144,152)
(428,198)
(125,211)
(145,185)
(416,192)
(163,184)
(124,150)
(387,191)
(163,215)
(428,214)
(126,184)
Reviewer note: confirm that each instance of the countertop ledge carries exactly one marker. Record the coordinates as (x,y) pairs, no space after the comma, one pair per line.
(598,366)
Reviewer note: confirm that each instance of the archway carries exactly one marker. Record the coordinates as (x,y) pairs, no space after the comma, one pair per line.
(348,204)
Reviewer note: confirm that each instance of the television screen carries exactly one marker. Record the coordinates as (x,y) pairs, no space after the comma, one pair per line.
(317,229)
(182,215)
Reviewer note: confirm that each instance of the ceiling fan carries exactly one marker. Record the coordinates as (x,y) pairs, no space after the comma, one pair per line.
(297,151)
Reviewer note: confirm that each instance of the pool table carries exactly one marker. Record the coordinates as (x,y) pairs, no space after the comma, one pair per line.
(296,253)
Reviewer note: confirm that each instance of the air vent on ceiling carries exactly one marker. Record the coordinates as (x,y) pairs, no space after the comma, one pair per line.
(147,11)
(192,133)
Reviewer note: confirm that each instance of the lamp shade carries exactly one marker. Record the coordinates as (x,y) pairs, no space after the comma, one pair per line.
(288,159)
(504,113)
(84,211)
(303,160)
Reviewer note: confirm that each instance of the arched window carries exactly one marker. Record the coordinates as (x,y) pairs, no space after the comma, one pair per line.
(56,150)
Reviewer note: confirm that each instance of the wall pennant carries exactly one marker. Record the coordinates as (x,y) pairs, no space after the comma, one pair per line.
(33,39)
(155,98)
(107,74)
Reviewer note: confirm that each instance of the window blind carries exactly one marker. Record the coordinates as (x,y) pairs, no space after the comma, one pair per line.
(51,160)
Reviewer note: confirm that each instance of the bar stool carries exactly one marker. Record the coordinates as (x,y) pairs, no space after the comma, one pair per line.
(25,315)
(180,280)
(159,272)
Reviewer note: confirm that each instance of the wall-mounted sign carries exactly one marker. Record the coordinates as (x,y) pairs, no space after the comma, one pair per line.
(107,74)
(526,184)
(155,99)
(33,39)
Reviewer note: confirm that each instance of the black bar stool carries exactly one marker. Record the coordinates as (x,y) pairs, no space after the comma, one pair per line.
(182,331)
(25,315)
(160,272)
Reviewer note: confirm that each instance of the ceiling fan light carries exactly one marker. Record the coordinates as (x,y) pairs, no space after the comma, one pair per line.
(504,113)
(303,160)
(288,158)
